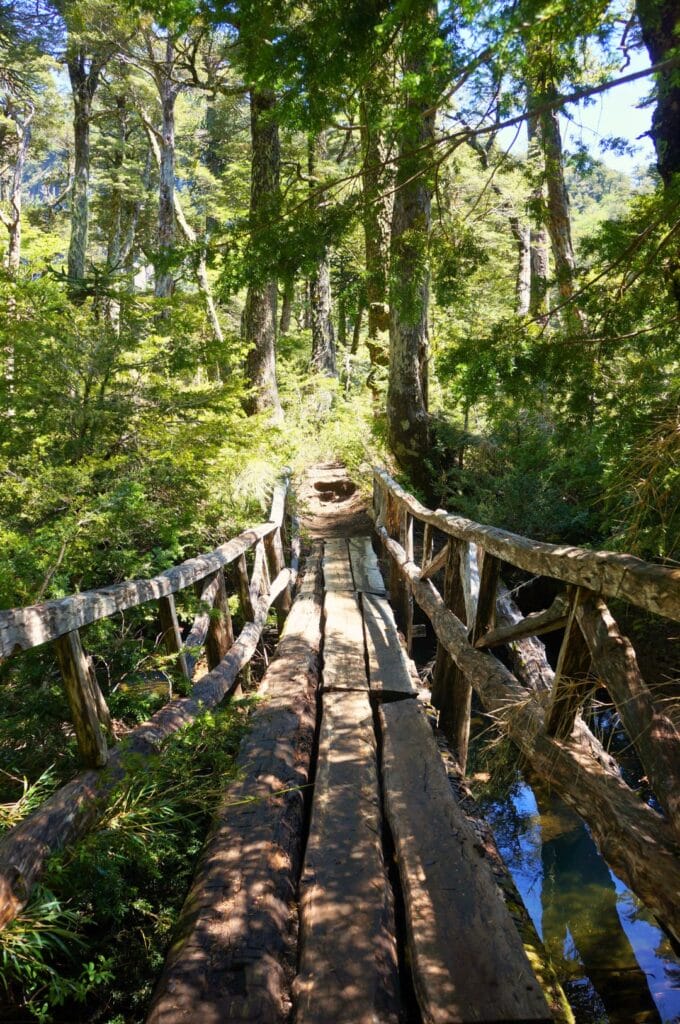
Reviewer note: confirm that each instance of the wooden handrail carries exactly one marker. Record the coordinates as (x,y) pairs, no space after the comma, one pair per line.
(653,587)
(23,628)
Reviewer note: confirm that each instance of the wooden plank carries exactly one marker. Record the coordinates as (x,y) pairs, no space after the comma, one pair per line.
(344,664)
(348,966)
(74,808)
(534,624)
(337,571)
(388,670)
(634,839)
(78,684)
(234,951)
(365,569)
(171,633)
(467,959)
(654,587)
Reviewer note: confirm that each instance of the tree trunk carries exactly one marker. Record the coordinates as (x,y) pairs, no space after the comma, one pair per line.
(407,415)
(539,260)
(83,86)
(522,235)
(558,218)
(660,24)
(164,282)
(287,306)
(13,221)
(378,203)
(323,335)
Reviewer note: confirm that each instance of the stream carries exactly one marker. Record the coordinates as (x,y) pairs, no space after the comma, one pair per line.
(614,962)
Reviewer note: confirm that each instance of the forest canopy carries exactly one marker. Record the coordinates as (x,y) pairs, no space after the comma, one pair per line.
(246,232)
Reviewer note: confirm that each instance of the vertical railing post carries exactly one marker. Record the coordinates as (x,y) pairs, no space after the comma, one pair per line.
(406,541)
(274,548)
(171,633)
(81,694)
(570,686)
(220,635)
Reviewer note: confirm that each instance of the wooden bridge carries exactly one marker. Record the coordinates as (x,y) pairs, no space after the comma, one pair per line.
(342,881)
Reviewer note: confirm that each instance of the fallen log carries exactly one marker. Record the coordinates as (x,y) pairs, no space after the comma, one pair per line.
(75,808)
(535,624)
(233,956)
(637,843)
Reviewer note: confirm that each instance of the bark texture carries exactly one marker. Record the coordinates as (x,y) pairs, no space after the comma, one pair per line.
(320,302)
(378,202)
(84,77)
(259,315)
(660,24)
(168,90)
(407,413)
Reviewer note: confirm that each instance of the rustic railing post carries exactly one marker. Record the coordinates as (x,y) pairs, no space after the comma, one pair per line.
(220,635)
(447,678)
(570,687)
(171,633)
(274,549)
(406,541)
(82,699)
(393,525)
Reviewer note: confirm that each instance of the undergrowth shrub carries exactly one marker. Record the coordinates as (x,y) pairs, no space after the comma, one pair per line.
(91,943)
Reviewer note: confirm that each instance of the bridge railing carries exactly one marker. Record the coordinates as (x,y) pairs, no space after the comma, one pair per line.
(74,808)
(537,708)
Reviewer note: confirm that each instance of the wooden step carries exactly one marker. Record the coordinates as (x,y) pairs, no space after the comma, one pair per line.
(467,959)
(344,662)
(365,569)
(348,965)
(337,571)
(388,667)
(234,955)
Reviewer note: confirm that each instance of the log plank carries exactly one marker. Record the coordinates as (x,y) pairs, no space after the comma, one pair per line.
(466,956)
(388,668)
(365,569)
(337,571)
(234,953)
(654,587)
(348,965)
(344,665)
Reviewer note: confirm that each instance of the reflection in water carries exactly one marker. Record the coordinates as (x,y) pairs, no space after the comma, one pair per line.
(616,965)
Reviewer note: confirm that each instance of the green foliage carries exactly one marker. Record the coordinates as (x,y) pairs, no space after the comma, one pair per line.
(91,942)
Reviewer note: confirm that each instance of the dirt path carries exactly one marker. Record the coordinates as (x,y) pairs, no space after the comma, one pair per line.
(330,504)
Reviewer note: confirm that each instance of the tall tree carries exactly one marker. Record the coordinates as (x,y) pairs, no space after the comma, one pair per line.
(660,25)
(407,394)
(20,112)
(259,315)
(320,305)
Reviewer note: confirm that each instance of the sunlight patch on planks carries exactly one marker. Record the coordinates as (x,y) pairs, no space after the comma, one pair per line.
(466,956)
(348,962)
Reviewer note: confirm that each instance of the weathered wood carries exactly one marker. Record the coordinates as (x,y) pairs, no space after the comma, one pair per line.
(534,624)
(276,561)
(78,685)
(22,628)
(447,682)
(654,587)
(654,735)
(485,617)
(388,668)
(258,577)
(406,539)
(466,957)
(171,633)
(348,966)
(637,843)
(234,951)
(392,526)
(365,569)
(74,808)
(436,564)
(428,539)
(570,686)
(220,636)
(344,665)
(196,638)
(246,603)
(337,571)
